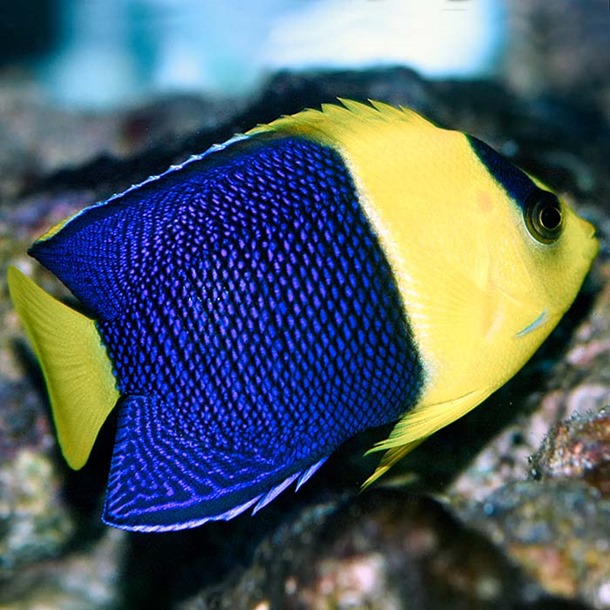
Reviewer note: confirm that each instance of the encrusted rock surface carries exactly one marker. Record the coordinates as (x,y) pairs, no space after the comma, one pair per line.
(578,448)
(558,533)
(383,550)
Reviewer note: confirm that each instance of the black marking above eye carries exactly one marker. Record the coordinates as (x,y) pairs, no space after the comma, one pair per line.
(543,216)
(515,182)
(541,209)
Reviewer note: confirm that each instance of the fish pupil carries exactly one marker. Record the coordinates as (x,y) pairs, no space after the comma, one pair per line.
(550,218)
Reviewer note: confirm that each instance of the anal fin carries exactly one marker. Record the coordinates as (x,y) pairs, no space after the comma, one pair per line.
(162,480)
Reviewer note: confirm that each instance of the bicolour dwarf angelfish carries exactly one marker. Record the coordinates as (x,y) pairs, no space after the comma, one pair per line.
(259,304)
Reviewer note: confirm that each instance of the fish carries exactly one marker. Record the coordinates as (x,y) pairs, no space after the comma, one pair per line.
(249,310)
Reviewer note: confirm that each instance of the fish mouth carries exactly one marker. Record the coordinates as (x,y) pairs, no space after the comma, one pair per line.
(590,230)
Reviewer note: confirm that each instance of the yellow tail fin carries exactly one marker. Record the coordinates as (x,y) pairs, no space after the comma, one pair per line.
(76,368)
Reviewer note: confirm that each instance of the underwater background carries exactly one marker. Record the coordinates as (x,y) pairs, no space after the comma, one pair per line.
(508,507)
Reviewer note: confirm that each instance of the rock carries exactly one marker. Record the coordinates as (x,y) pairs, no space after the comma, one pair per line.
(556,49)
(558,532)
(85,578)
(34,525)
(578,448)
(382,550)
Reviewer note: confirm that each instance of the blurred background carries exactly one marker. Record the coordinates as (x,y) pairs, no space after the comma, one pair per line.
(106,53)
(97,53)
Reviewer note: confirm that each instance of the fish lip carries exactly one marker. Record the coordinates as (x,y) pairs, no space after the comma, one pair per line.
(590,230)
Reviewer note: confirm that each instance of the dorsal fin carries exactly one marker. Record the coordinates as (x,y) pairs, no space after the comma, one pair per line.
(332,121)
(74,362)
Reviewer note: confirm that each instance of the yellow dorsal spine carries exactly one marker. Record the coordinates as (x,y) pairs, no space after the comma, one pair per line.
(74,362)
(333,123)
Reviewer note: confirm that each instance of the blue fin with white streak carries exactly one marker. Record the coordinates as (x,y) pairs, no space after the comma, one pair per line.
(307,474)
(161,480)
(301,478)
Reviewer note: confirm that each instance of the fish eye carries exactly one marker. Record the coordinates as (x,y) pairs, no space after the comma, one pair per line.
(543,216)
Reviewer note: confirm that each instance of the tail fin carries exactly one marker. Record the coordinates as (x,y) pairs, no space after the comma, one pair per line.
(74,362)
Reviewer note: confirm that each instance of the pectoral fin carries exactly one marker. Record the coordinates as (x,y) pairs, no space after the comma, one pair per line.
(417,425)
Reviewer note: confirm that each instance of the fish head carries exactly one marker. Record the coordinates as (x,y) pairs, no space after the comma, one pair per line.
(553,248)
(530,265)
(487,258)
(509,259)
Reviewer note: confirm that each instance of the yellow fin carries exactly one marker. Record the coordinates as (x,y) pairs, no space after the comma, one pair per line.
(376,110)
(417,425)
(74,362)
(391,457)
(333,121)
